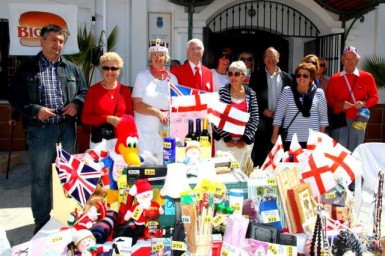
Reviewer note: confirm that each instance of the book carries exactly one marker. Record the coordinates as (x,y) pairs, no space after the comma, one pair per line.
(161,247)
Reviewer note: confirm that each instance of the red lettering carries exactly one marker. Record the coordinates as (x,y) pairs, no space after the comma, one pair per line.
(28,32)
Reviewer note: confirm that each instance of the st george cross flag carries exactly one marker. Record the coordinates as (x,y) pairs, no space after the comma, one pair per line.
(342,164)
(228,118)
(275,156)
(323,140)
(77,178)
(318,174)
(184,99)
(296,151)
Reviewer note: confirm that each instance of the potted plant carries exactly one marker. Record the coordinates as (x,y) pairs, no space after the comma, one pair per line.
(376,66)
(90,50)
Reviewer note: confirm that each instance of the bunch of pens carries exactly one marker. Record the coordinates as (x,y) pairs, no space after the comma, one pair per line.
(197,215)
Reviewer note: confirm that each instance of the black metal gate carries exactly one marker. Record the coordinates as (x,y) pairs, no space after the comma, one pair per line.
(268,23)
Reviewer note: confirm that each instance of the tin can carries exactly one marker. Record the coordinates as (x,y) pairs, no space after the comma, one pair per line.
(169,150)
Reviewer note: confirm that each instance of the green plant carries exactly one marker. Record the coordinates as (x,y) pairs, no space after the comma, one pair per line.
(90,50)
(376,66)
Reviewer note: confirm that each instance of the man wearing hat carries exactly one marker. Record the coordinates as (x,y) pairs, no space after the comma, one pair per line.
(268,84)
(350,92)
(192,73)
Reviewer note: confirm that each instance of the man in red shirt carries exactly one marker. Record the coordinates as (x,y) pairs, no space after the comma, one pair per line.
(349,91)
(192,73)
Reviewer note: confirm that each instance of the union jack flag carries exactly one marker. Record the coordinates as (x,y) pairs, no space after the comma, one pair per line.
(77,178)
(180,90)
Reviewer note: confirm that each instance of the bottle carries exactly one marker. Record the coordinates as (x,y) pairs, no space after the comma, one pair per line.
(198,129)
(190,135)
(236,200)
(205,138)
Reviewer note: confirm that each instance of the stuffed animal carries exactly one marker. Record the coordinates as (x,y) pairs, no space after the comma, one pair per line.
(85,244)
(127,141)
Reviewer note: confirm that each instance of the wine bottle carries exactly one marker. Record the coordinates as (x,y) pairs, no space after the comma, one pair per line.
(205,138)
(198,129)
(190,135)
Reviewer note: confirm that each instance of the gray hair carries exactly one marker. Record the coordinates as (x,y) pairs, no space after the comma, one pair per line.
(196,41)
(111,56)
(239,65)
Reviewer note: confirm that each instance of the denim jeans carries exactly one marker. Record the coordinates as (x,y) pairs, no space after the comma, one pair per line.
(42,151)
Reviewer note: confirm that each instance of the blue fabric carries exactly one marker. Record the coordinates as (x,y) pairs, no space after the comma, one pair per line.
(41,147)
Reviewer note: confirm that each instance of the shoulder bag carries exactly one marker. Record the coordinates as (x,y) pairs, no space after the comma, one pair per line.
(284,131)
(106,130)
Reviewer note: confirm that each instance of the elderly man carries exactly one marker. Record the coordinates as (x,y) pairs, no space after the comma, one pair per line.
(192,73)
(268,84)
(49,92)
(348,92)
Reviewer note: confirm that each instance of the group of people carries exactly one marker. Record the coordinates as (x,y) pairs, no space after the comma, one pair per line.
(50,92)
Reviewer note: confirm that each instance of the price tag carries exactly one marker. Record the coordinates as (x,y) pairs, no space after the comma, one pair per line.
(137,213)
(166,144)
(157,247)
(236,207)
(207,219)
(273,249)
(56,239)
(149,172)
(270,216)
(184,254)
(196,196)
(178,246)
(228,250)
(186,219)
(292,250)
(330,195)
(218,219)
(234,165)
(271,181)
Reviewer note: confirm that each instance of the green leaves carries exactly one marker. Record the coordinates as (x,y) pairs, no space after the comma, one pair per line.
(376,66)
(90,50)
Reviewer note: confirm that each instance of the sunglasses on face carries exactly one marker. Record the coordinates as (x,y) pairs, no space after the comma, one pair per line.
(299,75)
(236,74)
(106,68)
(226,56)
(313,62)
(322,64)
(249,59)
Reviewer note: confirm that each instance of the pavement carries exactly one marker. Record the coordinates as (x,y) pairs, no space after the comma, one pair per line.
(15,197)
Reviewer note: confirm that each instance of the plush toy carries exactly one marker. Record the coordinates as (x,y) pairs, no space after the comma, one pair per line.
(127,141)
(85,244)
(142,210)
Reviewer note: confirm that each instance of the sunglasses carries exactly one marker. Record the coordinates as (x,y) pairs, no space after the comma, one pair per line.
(236,74)
(226,56)
(106,68)
(299,75)
(249,59)
(322,64)
(313,62)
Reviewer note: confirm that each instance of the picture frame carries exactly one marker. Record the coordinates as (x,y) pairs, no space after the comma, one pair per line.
(159,26)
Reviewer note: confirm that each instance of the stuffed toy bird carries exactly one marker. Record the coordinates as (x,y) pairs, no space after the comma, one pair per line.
(127,141)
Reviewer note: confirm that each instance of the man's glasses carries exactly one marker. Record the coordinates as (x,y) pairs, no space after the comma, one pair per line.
(236,74)
(249,59)
(106,68)
(299,75)
(322,65)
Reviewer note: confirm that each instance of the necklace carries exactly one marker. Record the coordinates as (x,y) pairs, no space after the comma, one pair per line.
(109,89)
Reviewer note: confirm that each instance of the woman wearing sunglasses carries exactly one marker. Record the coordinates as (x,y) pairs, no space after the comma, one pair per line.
(321,74)
(248,59)
(151,96)
(108,100)
(221,64)
(243,98)
(305,99)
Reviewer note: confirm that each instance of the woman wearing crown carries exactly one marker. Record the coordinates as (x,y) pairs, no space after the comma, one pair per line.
(151,97)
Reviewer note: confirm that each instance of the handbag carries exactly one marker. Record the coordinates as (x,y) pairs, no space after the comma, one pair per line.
(337,120)
(106,130)
(284,131)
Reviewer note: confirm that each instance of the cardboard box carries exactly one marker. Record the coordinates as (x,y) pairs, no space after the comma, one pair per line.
(62,205)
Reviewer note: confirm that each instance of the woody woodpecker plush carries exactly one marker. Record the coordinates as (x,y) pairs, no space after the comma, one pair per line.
(85,244)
